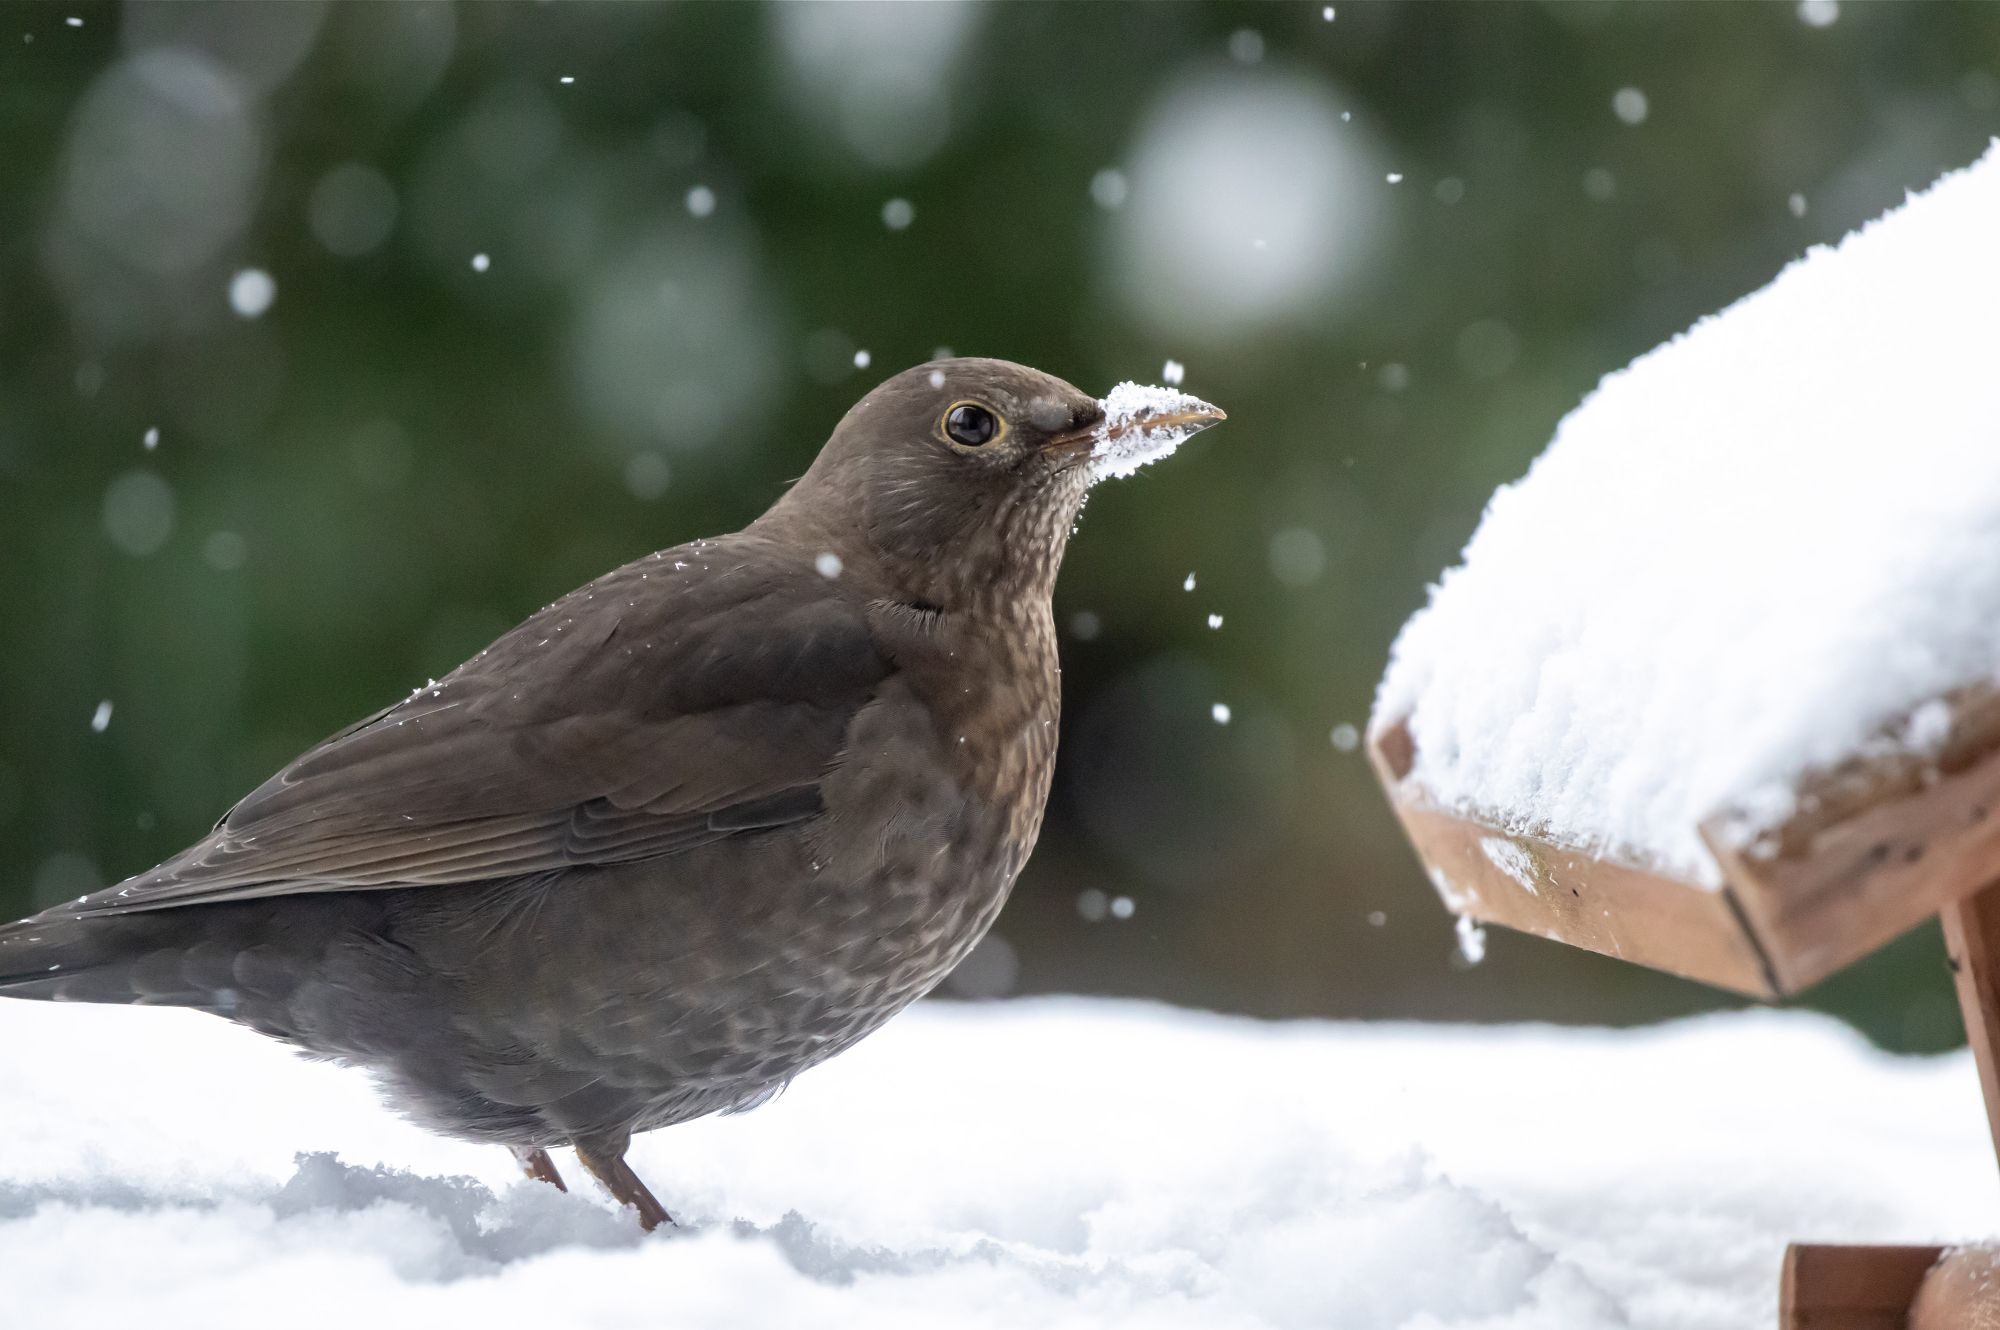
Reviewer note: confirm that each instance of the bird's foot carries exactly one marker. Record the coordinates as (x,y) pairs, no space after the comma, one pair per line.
(537,1165)
(606,1162)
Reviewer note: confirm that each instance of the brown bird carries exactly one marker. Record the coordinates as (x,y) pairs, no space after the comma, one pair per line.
(686,832)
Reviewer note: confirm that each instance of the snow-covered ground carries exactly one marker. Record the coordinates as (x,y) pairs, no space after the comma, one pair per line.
(1035,1163)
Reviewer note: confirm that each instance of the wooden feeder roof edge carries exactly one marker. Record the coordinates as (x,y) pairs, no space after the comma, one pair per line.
(1880,843)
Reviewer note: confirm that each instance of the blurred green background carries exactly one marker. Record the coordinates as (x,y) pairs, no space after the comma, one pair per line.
(440,310)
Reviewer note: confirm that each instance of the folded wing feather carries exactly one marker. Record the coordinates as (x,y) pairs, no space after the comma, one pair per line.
(699,693)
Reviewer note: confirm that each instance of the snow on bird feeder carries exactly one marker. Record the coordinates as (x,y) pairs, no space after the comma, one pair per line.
(1716,686)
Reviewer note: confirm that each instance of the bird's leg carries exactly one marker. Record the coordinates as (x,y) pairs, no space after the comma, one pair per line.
(536,1164)
(606,1161)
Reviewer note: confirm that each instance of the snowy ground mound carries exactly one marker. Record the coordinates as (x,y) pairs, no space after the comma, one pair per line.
(1766,546)
(1045,1163)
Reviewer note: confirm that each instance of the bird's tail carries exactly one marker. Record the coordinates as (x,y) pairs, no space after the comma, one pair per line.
(61,957)
(226,958)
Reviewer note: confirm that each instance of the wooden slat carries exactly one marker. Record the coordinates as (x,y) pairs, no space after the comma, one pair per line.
(1828,1287)
(1616,909)
(1571,897)
(1830,887)
(1972,936)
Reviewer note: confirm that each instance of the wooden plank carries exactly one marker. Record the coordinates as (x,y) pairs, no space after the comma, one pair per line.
(1972,936)
(1881,843)
(1537,887)
(1829,1287)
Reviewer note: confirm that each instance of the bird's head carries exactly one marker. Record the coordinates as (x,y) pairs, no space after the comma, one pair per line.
(963,477)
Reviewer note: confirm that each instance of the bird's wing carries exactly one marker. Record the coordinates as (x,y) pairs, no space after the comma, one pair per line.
(699,693)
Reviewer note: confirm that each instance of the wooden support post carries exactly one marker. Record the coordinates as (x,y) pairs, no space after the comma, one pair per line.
(1972,936)
(1827,1287)
(1833,1287)
(1919,1288)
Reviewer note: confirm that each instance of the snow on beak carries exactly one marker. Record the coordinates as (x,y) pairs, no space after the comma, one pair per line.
(1141,424)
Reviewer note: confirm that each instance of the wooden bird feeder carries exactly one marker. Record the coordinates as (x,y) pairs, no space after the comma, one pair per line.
(1880,844)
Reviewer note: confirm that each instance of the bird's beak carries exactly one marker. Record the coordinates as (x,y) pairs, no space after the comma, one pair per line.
(1138,425)
(1184,420)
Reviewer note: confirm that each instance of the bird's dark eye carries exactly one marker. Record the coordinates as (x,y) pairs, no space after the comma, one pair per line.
(970,424)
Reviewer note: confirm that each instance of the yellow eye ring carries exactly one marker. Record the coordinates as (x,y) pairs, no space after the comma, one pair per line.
(972,425)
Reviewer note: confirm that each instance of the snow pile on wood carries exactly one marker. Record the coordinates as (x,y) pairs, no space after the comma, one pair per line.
(1761,549)
(1060,1163)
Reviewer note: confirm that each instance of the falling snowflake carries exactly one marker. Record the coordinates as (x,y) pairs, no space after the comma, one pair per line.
(251,292)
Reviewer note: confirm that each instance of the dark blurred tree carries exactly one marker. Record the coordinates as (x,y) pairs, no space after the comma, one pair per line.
(558,284)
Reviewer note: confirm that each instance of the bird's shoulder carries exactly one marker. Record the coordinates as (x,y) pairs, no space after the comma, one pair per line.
(703,625)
